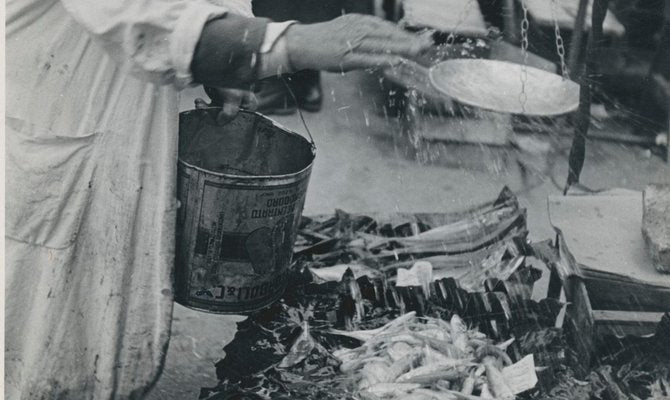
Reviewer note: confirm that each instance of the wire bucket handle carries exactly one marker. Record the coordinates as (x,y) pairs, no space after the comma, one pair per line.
(302,117)
(217,102)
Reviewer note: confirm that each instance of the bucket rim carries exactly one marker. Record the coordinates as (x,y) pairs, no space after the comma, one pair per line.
(255,177)
(250,177)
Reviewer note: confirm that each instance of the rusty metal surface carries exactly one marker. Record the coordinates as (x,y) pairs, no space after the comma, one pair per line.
(496,86)
(250,146)
(242,188)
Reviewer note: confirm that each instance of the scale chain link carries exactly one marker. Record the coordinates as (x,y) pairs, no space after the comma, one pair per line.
(462,16)
(560,48)
(523,97)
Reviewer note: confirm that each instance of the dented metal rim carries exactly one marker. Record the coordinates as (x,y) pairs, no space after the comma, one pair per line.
(273,180)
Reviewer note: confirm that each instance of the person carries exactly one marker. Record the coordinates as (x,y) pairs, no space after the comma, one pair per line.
(283,95)
(273,94)
(91,135)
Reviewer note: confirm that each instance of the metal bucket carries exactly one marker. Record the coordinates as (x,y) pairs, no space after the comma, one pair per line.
(242,189)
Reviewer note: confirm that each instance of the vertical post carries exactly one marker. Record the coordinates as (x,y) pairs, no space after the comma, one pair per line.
(509,15)
(576,41)
(595,42)
(661,67)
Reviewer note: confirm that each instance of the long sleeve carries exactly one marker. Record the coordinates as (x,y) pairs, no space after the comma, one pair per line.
(152,38)
(261,52)
(229,63)
(239,7)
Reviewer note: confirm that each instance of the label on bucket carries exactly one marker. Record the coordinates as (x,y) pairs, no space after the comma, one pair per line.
(240,243)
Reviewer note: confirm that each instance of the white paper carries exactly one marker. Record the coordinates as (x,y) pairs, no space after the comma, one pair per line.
(406,278)
(421,274)
(336,272)
(521,375)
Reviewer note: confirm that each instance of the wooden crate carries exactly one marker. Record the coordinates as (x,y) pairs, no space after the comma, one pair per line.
(584,323)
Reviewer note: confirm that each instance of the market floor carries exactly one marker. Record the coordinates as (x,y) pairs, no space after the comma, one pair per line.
(362,166)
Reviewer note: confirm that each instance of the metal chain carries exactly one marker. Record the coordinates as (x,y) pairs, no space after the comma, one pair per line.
(462,16)
(523,97)
(560,49)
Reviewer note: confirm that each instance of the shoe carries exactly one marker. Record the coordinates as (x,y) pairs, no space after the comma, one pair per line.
(307,86)
(312,99)
(274,99)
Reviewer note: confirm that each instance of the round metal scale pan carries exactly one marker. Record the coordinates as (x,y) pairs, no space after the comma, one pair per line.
(496,86)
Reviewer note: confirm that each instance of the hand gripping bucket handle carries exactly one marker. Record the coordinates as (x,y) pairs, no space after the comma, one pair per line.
(217,102)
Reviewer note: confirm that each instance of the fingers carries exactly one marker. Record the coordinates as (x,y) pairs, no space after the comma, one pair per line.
(228,113)
(408,48)
(379,36)
(201,104)
(232,101)
(220,117)
(249,101)
(362,61)
(389,31)
(240,98)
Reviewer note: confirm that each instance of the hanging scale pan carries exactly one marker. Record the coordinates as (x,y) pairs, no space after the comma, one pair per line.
(496,86)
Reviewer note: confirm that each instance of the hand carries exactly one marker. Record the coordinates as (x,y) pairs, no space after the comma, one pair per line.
(226,103)
(351,41)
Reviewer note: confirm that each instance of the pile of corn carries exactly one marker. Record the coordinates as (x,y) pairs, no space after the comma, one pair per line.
(422,358)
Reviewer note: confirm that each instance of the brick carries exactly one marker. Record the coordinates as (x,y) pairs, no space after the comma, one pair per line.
(656,225)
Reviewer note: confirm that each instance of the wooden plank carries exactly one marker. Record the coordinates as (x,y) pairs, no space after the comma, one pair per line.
(622,330)
(584,321)
(623,323)
(608,130)
(603,232)
(615,317)
(577,33)
(504,51)
(488,128)
(566,13)
(661,93)
(616,295)
(458,16)
(656,225)
(566,265)
(510,30)
(555,285)
(579,324)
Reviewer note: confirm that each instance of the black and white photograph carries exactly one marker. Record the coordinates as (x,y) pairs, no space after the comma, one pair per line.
(336,200)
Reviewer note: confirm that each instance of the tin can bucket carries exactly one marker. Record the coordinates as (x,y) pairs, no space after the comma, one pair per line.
(241,189)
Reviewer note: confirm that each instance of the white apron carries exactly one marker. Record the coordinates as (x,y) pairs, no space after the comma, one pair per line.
(91,136)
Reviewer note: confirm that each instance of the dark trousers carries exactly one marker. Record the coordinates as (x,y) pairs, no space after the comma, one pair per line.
(307,11)
(305,84)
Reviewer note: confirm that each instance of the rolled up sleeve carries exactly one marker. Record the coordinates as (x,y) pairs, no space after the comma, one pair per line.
(154,39)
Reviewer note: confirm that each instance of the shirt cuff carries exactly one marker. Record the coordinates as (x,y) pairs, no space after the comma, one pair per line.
(186,35)
(273,54)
